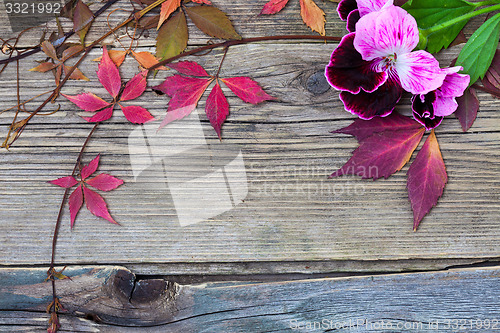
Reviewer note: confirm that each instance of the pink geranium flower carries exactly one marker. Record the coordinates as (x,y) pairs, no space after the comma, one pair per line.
(352,10)
(375,64)
(429,109)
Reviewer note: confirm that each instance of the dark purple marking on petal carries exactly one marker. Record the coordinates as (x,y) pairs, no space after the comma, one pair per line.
(347,71)
(423,110)
(381,102)
(352,19)
(345,7)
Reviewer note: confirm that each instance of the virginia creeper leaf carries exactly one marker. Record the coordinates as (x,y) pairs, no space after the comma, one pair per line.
(206,2)
(65,182)
(96,204)
(136,114)
(71,51)
(188,68)
(82,19)
(75,75)
(313,16)
(491,80)
(477,54)
(75,203)
(273,6)
(382,154)
(426,179)
(172,37)
(362,129)
(44,67)
(247,89)
(104,182)
(49,50)
(88,101)
(185,99)
(217,108)
(89,169)
(108,74)
(101,115)
(213,22)
(146,60)
(468,105)
(135,87)
(429,13)
(167,8)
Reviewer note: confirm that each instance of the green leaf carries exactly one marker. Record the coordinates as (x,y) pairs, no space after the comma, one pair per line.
(429,13)
(172,37)
(478,52)
(213,22)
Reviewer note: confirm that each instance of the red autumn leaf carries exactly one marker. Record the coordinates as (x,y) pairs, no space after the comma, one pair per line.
(206,2)
(88,101)
(184,99)
(247,89)
(104,182)
(65,182)
(108,74)
(213,22)
(189,68)
(167,8)
(137,114)
(362,129)
(135,87)
(468,105)
(273,6)
(75,203)
(96,205)
(217,108)
(426,179)
(382,154)
(90,168)
(313,16)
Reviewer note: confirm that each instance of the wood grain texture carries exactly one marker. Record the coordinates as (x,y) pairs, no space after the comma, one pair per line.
(291,213)
(113,297)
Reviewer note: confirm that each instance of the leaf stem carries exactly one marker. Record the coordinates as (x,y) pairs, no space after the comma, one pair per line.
(222,61)
(437,27)
(486,3)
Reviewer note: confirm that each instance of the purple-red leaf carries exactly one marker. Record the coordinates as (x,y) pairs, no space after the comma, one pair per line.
(96,204)
(468,105)
(189,68)
(136,114)
(104,182)
(108,74)
(217,108)
(273,6)
(135,87)
(247,89)
(87,101)
(87,170)
(185,97)
(426,179)
(362,129)
(75,203)
(382,154)
(65,182)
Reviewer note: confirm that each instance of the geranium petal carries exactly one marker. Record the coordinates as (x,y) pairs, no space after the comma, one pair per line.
(423,110)
(419,72)
(454,84)
(352,19)
(381,102)
(368,6)
(345,7)
(428,123)
(101,115)
(444,106)
(386,32)
(348,72)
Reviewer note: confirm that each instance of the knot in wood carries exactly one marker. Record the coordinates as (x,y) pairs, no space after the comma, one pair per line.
(317,83)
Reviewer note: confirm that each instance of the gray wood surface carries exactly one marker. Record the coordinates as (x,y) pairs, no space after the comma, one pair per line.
(454,300)
(291,212)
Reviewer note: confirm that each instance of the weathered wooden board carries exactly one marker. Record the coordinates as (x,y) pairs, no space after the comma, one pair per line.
(279,206)
(455,300)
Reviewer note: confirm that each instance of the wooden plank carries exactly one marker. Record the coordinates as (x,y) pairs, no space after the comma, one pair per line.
(426,302)
(291,213)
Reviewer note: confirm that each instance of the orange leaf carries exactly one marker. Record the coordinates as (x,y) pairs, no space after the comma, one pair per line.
(44,67)
(146,59)
(313,16)
(117,57)
(167,8)
(76,75)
